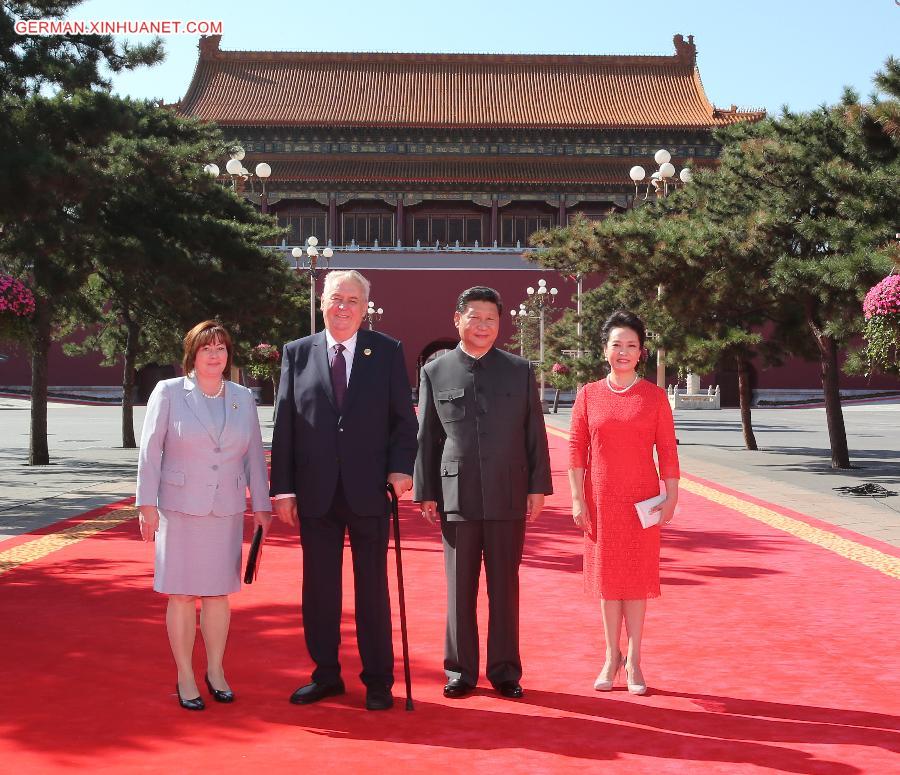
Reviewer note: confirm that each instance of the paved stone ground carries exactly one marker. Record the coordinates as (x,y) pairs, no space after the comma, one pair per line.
(88,468)
(792,469)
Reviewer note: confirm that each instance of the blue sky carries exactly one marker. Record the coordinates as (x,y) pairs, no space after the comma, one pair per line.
(767,53)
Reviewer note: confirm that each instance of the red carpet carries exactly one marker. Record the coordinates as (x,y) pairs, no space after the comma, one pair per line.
(765,653)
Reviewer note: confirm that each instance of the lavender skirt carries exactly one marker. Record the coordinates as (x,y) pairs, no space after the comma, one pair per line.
(198,555)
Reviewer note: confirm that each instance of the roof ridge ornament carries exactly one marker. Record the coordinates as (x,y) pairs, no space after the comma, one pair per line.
(209,46)
(685,49)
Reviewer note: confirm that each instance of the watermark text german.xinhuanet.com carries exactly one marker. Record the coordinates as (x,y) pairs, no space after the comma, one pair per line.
(118,27)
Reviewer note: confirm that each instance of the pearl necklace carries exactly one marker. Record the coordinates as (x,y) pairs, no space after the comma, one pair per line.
(216,395)
(621,390)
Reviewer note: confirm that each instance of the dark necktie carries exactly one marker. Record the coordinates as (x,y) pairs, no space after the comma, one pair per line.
(339,375)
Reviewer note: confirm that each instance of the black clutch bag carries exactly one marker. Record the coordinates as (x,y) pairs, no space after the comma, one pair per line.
(253,556)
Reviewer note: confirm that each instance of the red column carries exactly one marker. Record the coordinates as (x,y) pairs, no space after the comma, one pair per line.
(562,210)
(399,224)
(333,220)
(495,237)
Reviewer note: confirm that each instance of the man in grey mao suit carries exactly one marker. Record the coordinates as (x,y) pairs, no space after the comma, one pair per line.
(482,465)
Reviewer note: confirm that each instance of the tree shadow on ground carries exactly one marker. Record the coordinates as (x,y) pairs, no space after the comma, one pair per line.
(880,464)
(606,729)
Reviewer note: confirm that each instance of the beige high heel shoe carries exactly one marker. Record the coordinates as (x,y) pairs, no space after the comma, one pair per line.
(633,688)
(607,686)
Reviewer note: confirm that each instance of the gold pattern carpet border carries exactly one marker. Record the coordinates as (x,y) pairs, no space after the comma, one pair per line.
(851,550)
(43,545)
(47,544)
(865,555)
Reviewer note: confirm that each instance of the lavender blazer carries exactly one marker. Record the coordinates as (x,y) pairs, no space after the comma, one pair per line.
(186,465)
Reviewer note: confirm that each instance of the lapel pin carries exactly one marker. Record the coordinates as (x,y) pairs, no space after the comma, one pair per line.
(234,404)
(367,351)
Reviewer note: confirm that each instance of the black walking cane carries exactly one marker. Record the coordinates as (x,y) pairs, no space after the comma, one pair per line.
(395,510)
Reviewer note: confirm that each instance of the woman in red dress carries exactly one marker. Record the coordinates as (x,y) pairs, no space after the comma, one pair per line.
(616,423)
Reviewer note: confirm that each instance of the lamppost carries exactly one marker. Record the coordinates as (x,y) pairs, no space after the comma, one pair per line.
(518,318)
(312,266)
(578,326)
(659,180)
(373,315)
(238,172)
(543,297)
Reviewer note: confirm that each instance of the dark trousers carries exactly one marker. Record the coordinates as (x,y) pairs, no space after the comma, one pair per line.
(323,551)
(500,542)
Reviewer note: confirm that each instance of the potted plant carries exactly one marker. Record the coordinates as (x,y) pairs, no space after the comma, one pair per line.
(265,364)
(562,377)
(881,308)
(16,308)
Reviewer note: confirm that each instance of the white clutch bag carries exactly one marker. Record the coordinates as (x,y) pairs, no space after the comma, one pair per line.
(643,510)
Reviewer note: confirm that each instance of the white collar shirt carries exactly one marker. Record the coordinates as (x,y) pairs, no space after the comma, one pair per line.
(476,357)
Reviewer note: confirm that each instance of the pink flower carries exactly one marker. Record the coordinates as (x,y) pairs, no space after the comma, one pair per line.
(265,353)
(15,298)
(883,298)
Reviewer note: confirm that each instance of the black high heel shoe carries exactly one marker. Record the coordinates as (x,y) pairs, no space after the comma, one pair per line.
(195,704)
(219,695)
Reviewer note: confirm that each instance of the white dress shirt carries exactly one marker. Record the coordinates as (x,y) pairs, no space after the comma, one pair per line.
(476,357)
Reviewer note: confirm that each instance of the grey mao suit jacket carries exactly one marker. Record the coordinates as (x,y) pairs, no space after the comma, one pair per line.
(482,441)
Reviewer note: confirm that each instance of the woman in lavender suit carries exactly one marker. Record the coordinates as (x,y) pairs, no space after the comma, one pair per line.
(200,449)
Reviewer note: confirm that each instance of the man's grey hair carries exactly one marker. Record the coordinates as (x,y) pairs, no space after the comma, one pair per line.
(337,276)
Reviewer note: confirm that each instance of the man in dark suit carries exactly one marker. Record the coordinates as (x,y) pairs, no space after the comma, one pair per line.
(482,465)
(344,427)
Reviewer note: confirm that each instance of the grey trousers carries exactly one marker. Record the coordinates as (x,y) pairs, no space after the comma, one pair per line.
(500,542)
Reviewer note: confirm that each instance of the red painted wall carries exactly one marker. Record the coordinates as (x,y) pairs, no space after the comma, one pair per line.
(419,307)
(63,370)
(421,313)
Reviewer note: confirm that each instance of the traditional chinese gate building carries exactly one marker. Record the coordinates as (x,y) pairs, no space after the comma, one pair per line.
(428,172)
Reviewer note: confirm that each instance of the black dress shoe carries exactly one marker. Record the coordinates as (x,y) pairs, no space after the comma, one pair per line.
(219,695)
(457,688)
(314,692)
(511,689)
(195,704)
(379,698)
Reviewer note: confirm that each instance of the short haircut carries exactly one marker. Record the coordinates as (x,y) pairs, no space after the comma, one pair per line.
(336,276)
(202,334)
(479,293)
(622,318)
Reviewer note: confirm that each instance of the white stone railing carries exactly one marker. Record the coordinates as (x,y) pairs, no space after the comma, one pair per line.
(417,248)
(692,398)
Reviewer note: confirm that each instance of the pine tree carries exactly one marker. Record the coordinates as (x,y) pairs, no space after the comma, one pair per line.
(171,247)
(869,191)
(50,206)
(673,262)
(47,204)
(824,242)
(787,234)
(35,63)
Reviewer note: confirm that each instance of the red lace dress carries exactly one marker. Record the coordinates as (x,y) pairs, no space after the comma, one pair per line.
(612,436)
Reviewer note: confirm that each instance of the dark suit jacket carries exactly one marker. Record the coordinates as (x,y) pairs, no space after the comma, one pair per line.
(375,435)
(482,441)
